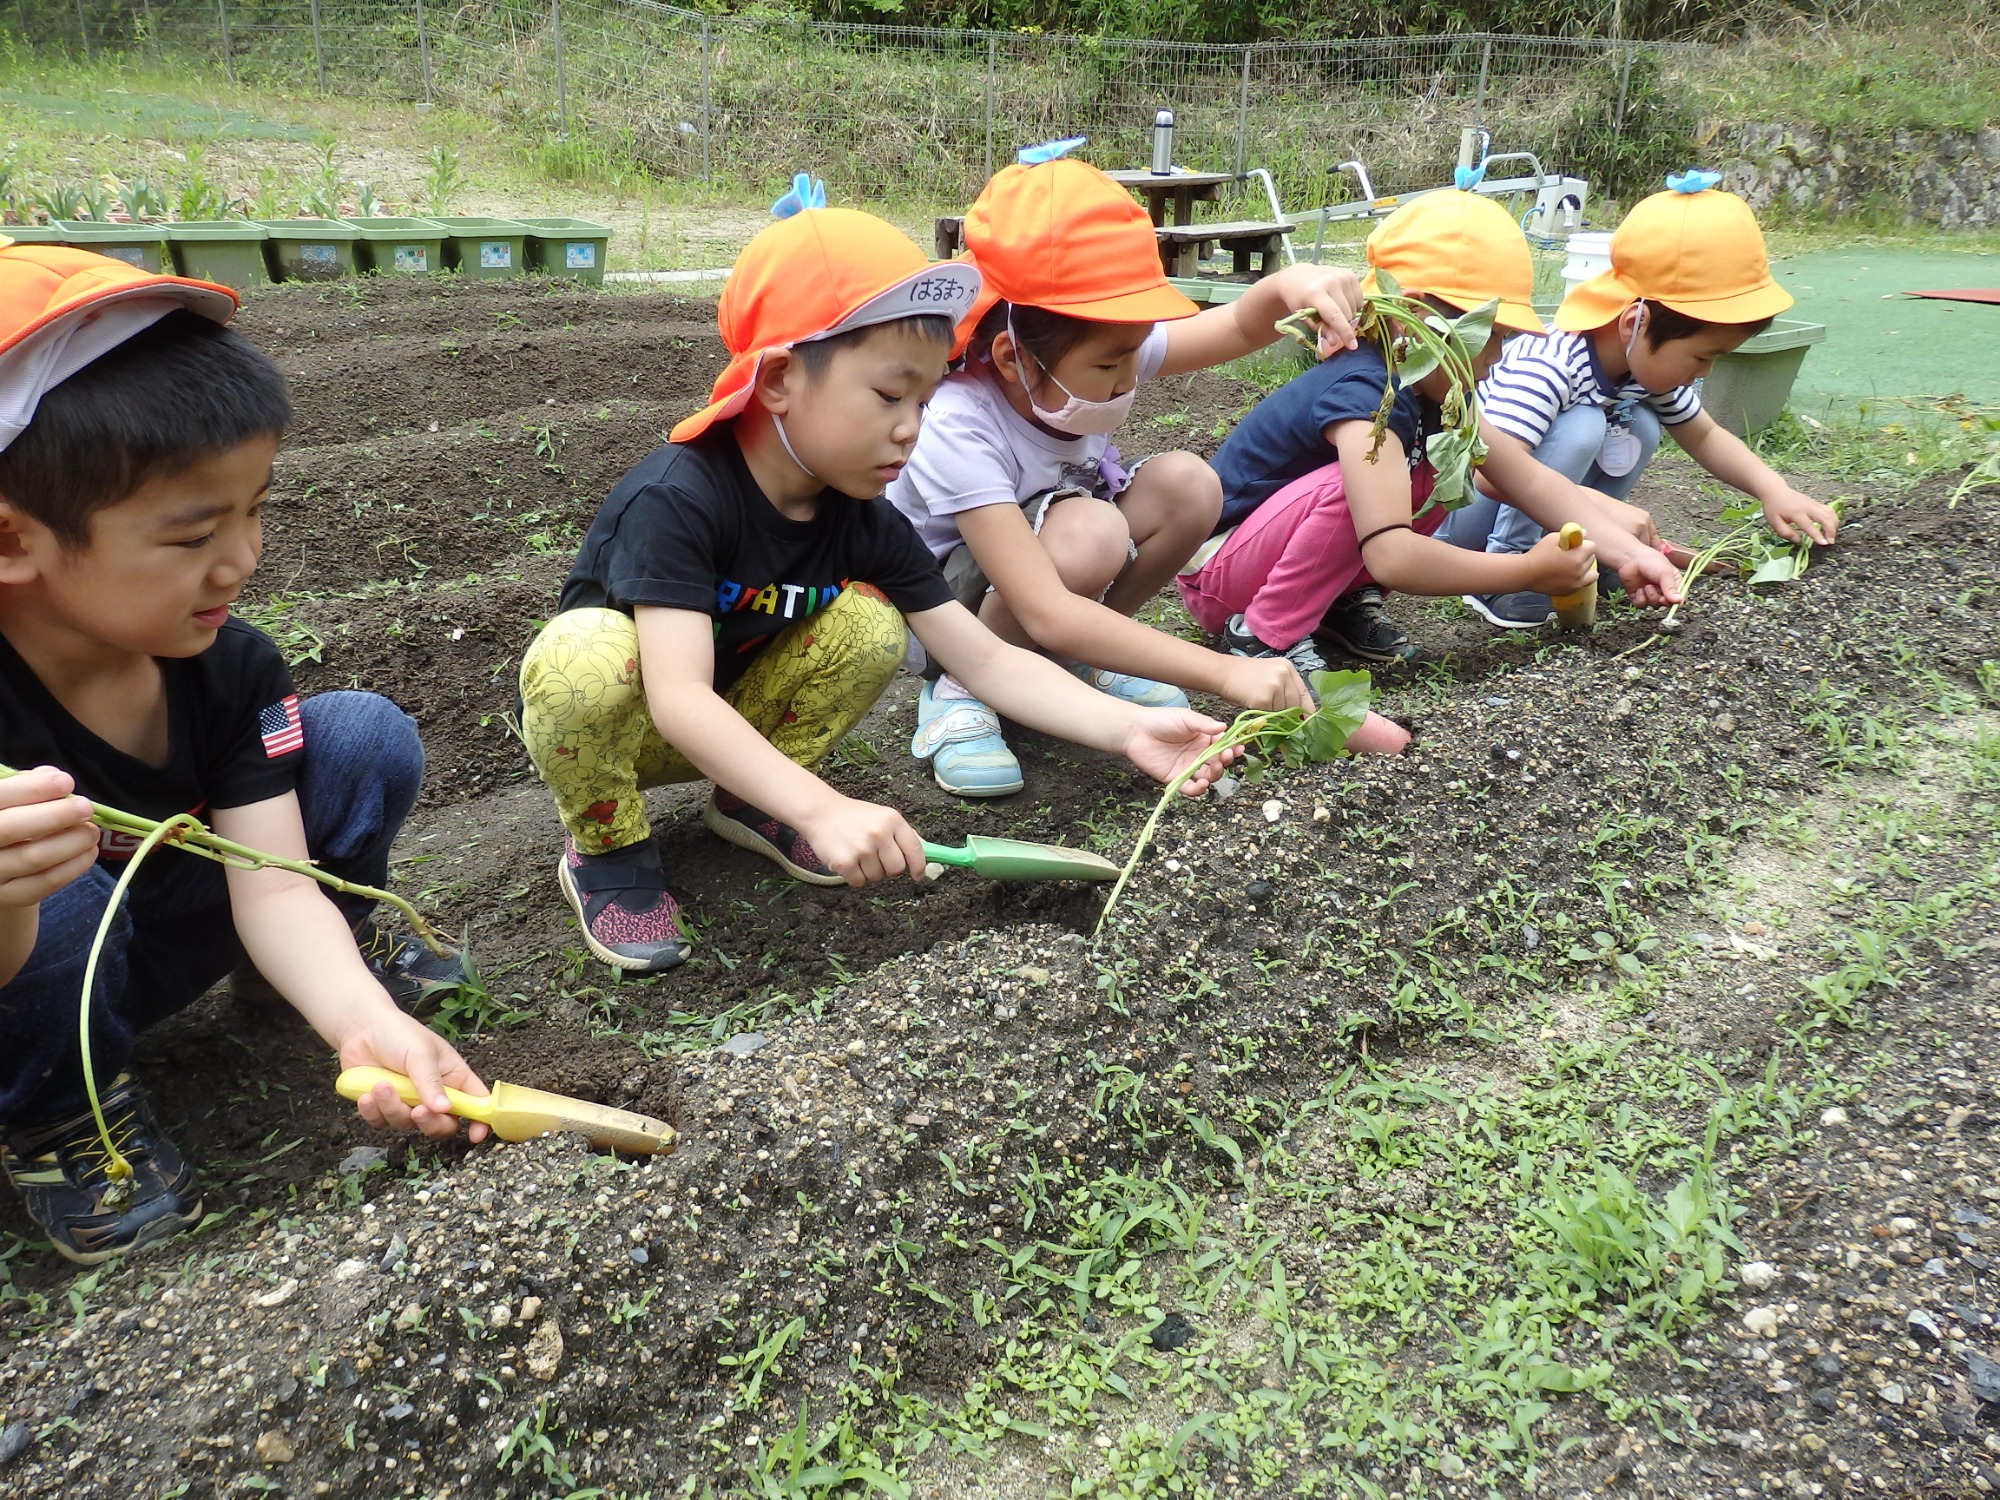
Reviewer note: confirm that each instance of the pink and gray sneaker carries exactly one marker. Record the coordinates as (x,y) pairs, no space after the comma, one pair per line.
(629,917)
(729,817)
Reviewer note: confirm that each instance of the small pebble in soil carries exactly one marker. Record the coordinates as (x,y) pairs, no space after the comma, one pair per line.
(744,1043)
(1757,1275)
(361,1158)
(1827,1367)
(1828,1118)
(1171,1332)
(1762,1322)
(1925,1326)
(1258,891)
(1224,787)
(15,1440)
(1320,814)
(1273,810)
(274,1448)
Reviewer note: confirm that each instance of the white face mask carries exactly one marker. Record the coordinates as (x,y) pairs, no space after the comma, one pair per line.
(1075,417)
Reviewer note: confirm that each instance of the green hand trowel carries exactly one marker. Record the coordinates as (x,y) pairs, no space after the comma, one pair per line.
(1015,859)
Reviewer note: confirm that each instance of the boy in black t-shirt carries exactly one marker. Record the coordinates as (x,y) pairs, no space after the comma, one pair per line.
(739,601)
(136,439)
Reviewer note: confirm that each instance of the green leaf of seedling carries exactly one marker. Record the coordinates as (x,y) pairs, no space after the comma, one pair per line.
(1472,331)
(1782,568)
(1418,361)
(1386,285)
(1343,705)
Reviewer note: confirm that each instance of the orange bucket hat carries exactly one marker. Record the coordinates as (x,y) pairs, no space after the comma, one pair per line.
(61,309)
(1061,236)
(1691,248)
(1463,248)
(820,272)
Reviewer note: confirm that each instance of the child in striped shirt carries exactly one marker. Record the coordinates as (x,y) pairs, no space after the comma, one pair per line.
(1688,283)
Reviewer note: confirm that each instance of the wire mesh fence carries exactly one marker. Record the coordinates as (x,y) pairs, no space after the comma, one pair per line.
(887,112)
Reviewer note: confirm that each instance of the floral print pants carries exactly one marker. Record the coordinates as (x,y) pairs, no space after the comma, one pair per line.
(592,739)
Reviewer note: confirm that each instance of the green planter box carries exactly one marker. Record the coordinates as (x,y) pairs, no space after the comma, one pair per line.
(310,249)
(143,245)
(229,252)
(399,247)
(567,247)
(32,234)
(1749,386)
(485,249)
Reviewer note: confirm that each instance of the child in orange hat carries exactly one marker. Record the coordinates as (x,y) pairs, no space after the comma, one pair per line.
(1688,282)
(739,602)
(136,441)
(1312,511)
(1009,482)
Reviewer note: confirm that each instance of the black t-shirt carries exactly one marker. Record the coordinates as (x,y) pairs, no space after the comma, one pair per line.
(688,528)
(233,738)
(1280,439)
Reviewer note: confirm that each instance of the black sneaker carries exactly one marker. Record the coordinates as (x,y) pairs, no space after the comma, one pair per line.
(1355,623)
(63,1176)
(1523,611)
(628,916)
(729,817)
(1238,641)
(409,971)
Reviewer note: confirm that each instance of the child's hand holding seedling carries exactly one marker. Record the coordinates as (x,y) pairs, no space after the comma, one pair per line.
(46,841)
(1795,516)
(1167,741)
(1265,682)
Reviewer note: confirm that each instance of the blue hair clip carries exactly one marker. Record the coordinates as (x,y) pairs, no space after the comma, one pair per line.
(1465,179)
(807,192)
(1693,180)
(1029,156)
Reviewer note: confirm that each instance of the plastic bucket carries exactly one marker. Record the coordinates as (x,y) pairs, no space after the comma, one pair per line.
(309,249)
(229,252)
(142,245)
(1589,255)
(1747,387)
(485,249)
(567,247)
(399,247)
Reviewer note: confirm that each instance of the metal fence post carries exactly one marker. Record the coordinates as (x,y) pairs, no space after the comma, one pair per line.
(707,169)
(83,30)
(1485,66)
(562,78)
(423,51)
(1624,78)
(1243,114)
(228,51)
(992,47)
(319,49)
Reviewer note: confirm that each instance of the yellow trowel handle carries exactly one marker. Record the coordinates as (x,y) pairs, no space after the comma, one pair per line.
(355,1082)
(1571,536)
(1569,539)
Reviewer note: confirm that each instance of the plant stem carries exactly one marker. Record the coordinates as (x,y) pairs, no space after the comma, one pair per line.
(189,833)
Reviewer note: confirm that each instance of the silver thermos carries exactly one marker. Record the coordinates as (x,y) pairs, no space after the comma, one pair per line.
(1163,143)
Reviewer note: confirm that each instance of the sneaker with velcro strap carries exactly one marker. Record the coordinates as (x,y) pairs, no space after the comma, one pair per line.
(1127,688)
(1518,611)
(628,916)
(74,1189)
(1237,640)
(730,818)
(961,739)
(1354,623)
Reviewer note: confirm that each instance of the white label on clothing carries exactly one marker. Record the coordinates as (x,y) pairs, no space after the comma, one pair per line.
(1620,454)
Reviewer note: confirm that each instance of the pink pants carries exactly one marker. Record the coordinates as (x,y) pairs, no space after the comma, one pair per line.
(1289,559)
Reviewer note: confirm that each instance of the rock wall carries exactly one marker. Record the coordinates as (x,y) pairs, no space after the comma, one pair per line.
(1951,180)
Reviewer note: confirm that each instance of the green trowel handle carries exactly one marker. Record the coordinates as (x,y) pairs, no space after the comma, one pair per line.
(944,854)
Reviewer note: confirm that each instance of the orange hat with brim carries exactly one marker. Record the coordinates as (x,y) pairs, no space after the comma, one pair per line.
(61,309)
(820,272)
(1698,253)
(1463,248)
(1061,236)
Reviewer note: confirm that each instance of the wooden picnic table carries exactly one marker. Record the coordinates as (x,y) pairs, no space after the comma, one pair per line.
(1180,188)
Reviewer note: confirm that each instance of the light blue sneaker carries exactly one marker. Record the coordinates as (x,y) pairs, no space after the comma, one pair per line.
(1140,690)
(960,737)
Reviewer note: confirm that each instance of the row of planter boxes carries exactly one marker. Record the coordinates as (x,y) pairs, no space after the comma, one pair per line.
(248,253)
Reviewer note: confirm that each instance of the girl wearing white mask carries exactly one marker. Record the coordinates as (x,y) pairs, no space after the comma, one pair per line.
(1040,525)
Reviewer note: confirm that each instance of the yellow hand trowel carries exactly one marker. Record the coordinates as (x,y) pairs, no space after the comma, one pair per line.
(1576,611)
(515,1113)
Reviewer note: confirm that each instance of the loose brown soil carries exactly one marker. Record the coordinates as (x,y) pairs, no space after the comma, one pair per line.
(451,444)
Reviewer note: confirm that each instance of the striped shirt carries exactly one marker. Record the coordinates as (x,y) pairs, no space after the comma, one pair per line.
(1538,379)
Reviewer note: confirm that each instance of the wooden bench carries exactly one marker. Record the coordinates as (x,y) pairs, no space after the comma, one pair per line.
(1183,245)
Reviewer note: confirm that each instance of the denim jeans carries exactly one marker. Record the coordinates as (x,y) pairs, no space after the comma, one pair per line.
(173,939)
(1569,447)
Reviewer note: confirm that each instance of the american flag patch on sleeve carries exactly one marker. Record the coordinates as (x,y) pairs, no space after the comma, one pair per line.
(279,724)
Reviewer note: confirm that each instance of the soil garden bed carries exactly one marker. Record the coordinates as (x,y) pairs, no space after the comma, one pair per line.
(1587,869)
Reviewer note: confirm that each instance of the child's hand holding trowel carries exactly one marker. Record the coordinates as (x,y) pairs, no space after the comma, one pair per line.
(428,1064)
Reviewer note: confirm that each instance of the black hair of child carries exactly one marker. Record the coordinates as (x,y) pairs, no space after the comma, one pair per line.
(1664,325)
(1047,336)
(816,355)
(182,390)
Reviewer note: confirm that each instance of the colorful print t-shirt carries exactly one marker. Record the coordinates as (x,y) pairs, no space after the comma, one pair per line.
(688,528)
